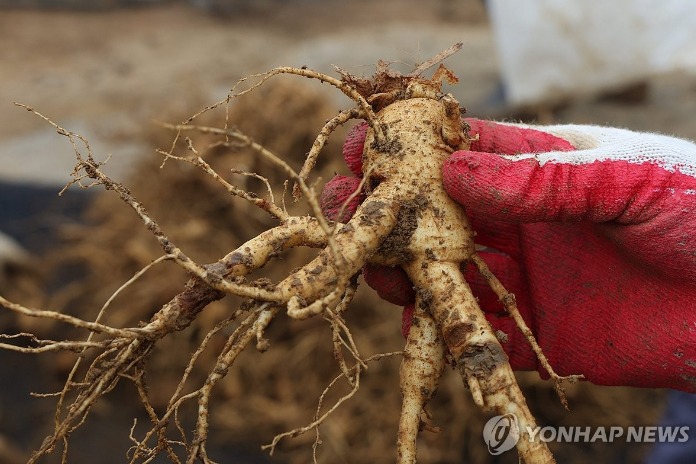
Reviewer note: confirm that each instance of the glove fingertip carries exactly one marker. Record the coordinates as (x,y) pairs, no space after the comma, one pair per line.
(469,175)
(391,283)
(407,319)
(510,139)
(333,197)
(489,185)
(353,148)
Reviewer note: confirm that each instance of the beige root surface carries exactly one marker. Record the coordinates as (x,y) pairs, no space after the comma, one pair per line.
(421,368)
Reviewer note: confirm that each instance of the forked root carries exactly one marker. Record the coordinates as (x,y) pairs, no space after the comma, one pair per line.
(475,349)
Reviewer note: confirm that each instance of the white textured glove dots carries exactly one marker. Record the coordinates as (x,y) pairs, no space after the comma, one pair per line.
(596,143)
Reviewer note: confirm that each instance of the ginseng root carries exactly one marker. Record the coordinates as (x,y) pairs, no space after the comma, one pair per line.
(407,219)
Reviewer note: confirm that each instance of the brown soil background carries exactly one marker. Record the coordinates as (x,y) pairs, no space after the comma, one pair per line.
(108,75)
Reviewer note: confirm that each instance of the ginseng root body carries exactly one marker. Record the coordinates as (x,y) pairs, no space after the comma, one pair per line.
(408,220)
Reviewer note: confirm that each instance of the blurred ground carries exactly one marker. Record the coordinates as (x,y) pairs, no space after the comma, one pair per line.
(107,75)
(103,74)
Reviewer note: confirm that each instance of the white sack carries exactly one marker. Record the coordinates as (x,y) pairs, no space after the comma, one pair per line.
(549,49)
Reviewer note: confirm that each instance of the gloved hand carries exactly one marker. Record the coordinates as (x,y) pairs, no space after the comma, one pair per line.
(594,231)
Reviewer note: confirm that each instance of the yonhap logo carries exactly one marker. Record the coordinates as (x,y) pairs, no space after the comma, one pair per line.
(501,433)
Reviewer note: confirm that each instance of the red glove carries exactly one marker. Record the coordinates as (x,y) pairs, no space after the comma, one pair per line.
(594,231)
